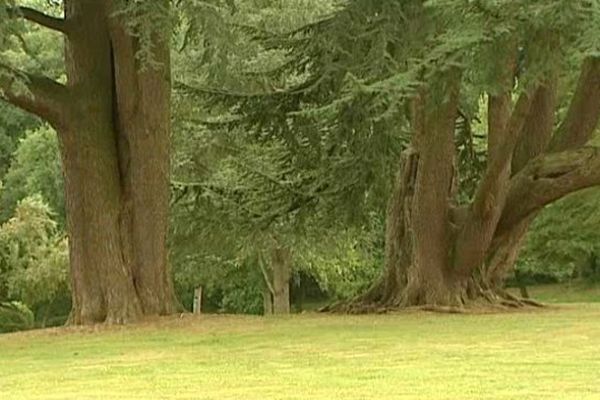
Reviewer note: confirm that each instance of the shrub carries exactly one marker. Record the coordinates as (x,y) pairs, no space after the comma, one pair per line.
(15,316)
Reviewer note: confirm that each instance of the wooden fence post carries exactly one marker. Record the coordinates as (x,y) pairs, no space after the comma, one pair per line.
(198,300)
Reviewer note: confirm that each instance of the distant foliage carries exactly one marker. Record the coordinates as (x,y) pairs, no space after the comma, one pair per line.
(564,241)
(15,316)
(13,126)
(227,286)
(35,169)
(33,255)
(346,260)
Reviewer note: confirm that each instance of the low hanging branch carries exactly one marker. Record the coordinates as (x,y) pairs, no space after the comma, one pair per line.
(36,94)
(38,17)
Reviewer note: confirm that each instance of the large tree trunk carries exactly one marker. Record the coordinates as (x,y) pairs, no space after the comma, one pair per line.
(115,150)
(440,256)
(419,228)
(142,123)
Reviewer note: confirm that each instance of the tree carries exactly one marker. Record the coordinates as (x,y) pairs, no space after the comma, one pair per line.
(564,240)
(235,198)
(33,256)
(112,116)
(35,169)
(419,70)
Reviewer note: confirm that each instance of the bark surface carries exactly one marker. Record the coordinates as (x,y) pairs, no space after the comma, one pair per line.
(276,294)
(113,121)
(445,257)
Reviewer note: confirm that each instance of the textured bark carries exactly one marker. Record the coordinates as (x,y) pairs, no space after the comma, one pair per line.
(505,127)
(281,265)
(102,282)
(44,97)
(419,227)
(428,277)
(503,254)
(267,301)
(538,178)
(398,243)
(39,18)
(442,257)
(142,123)
(113,121)
(538,128)
(533,141)
(584,111)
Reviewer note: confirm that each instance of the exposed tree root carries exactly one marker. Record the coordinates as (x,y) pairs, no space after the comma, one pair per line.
(533,303)
(497,300)
(443,309)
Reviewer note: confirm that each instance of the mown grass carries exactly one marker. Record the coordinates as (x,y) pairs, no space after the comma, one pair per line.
(548,354)
(576,292)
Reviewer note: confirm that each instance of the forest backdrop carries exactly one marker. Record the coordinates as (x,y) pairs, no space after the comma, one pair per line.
(386,154)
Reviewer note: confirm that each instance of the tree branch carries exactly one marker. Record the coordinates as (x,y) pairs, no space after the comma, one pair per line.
(547,179)
(477,232)
(38,17)
(584,111)
(571,167)
(38,95)
(539,126)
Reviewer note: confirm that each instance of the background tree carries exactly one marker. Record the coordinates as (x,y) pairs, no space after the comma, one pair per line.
(35,169)
(385,70)
(242,199)
(562,244)
(34,260)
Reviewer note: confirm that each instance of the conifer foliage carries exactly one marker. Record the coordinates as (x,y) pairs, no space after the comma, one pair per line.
(473,114)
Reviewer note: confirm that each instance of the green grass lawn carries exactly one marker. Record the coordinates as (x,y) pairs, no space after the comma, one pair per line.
(548,354)
(565,293)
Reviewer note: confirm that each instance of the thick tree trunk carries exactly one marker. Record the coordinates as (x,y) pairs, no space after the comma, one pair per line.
(419,230)
(142,123)
(445,257)
(102,283)
(115,150)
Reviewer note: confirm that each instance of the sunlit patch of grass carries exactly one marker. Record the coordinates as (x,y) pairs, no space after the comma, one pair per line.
(550,354)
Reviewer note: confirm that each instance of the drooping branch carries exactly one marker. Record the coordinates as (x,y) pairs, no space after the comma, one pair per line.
(38,17)
(547,179)
(584,111)
(36,94)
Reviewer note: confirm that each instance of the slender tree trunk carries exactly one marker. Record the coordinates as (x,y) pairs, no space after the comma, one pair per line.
(503,254)
(267,301)
(281,264)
